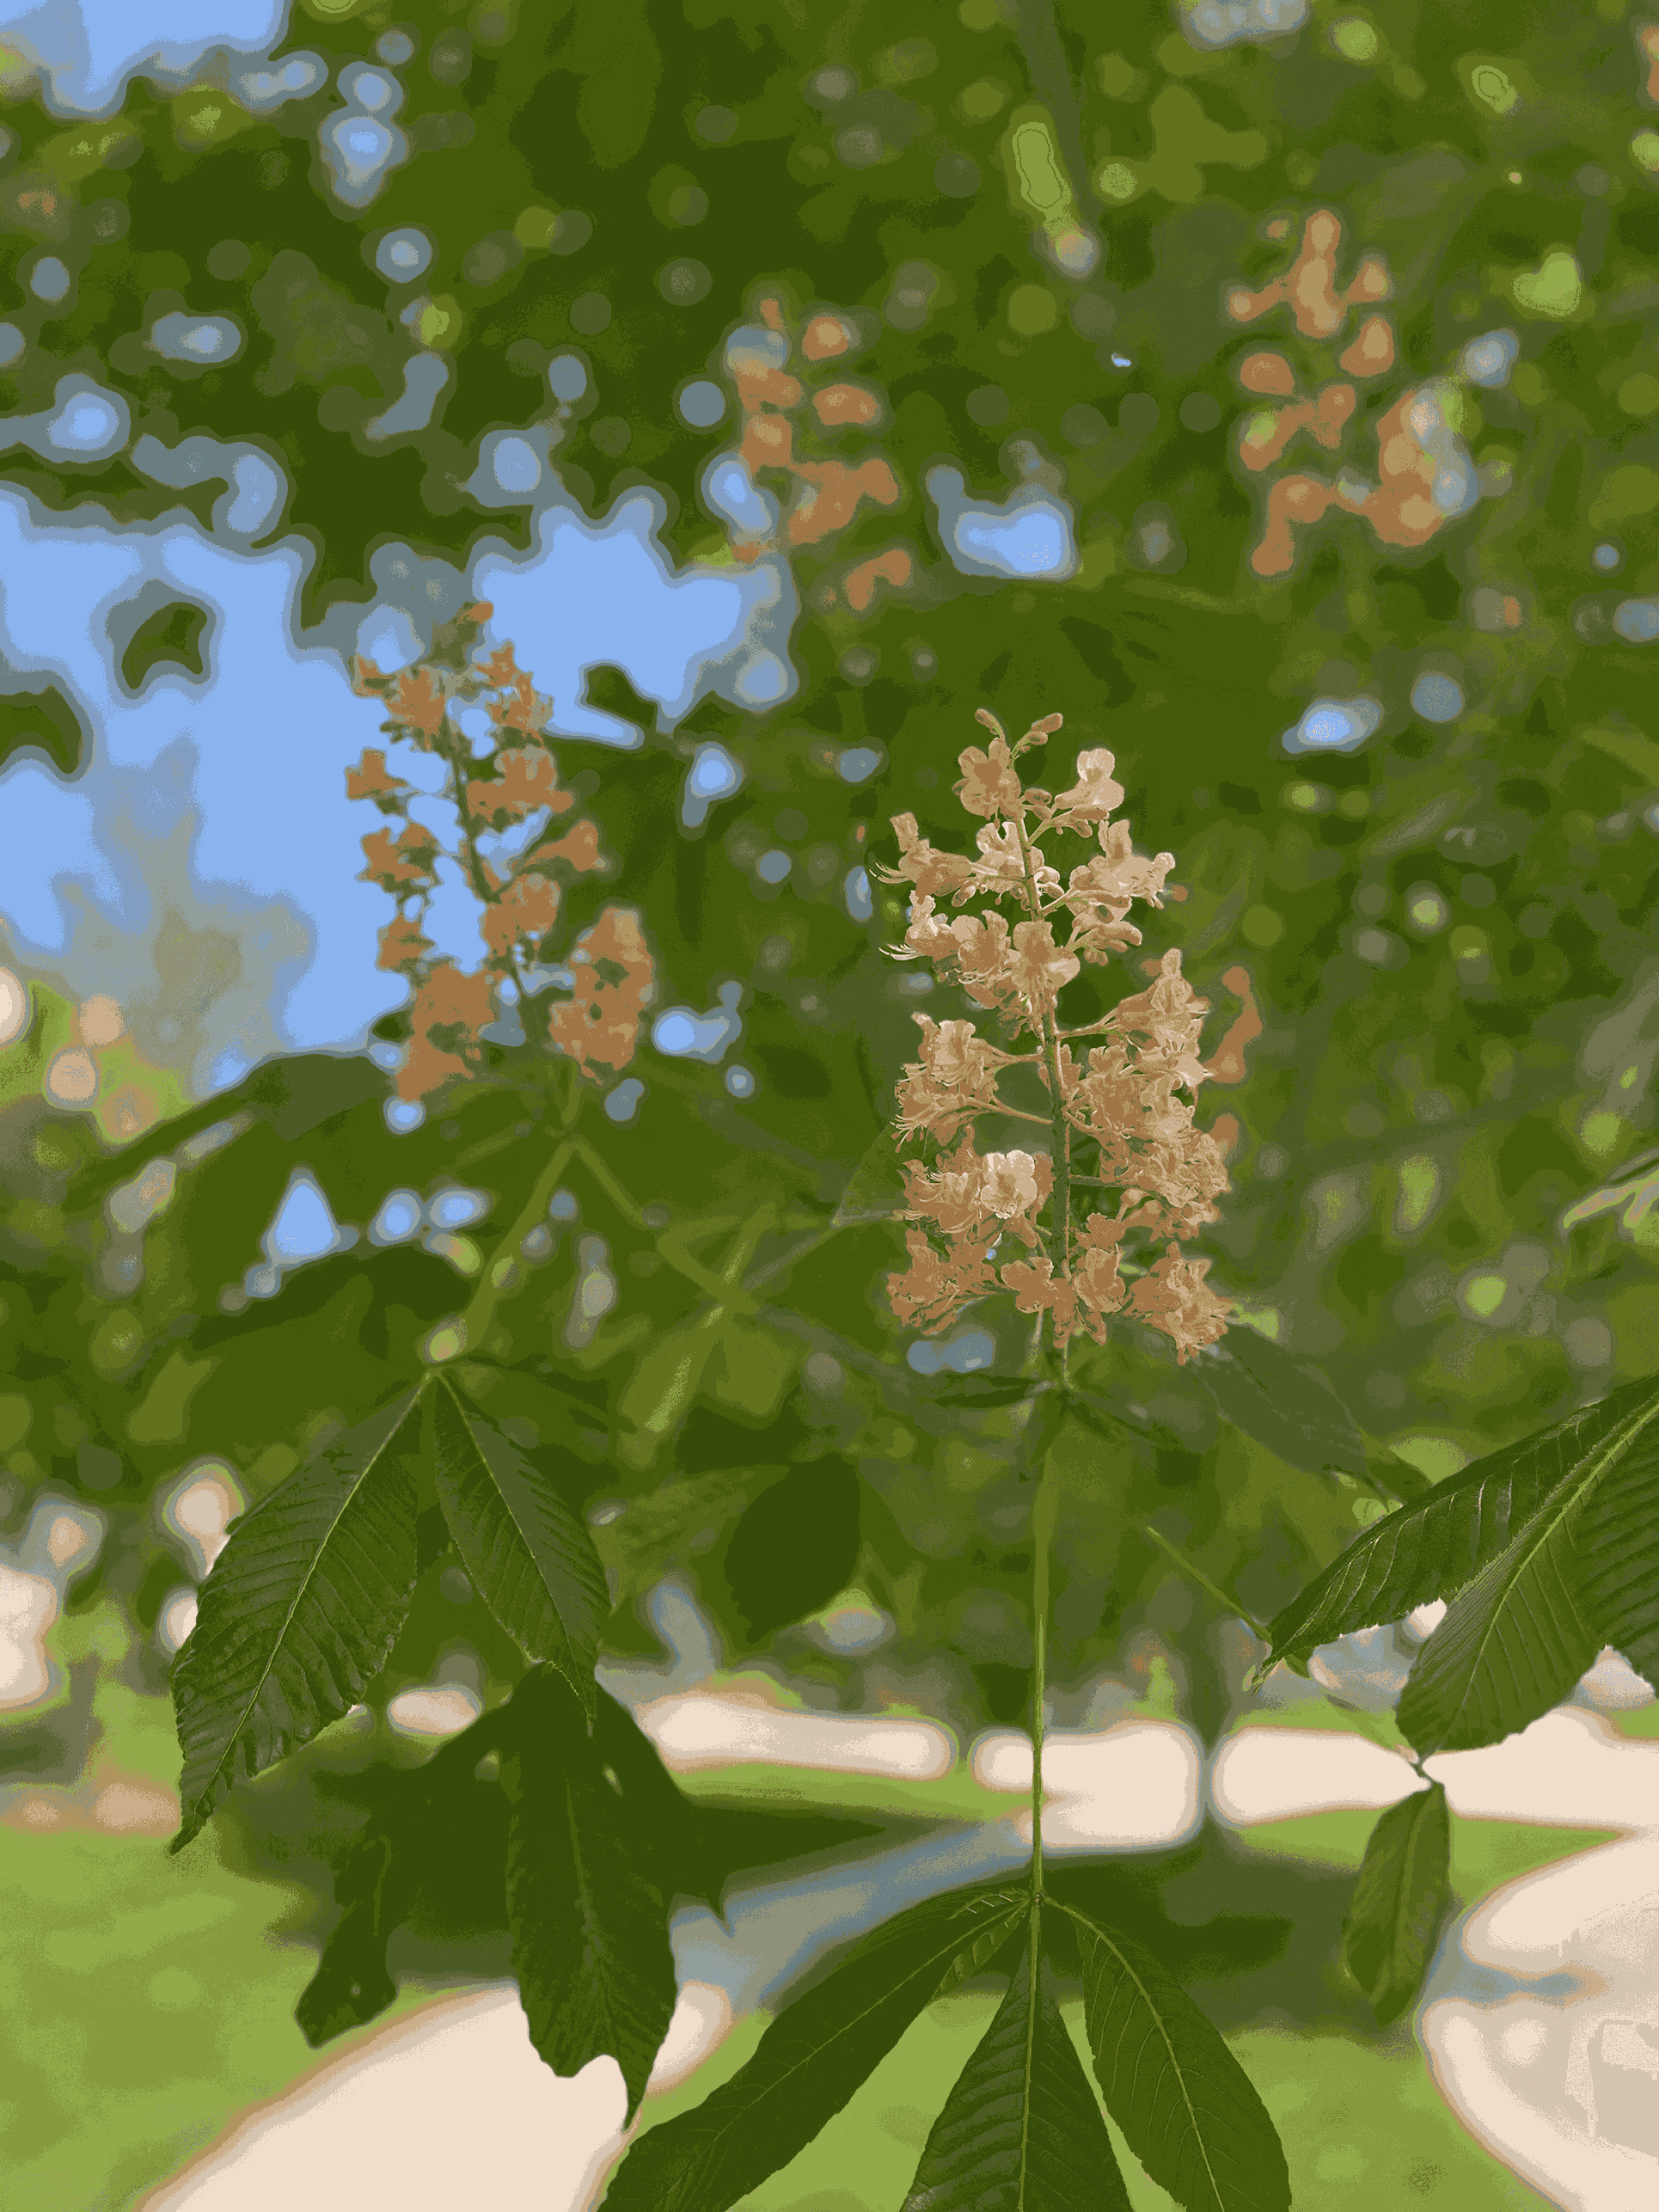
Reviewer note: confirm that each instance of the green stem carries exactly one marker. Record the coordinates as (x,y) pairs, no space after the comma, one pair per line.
(1043,1508)
(684,1262)
(1191,1567)
(1061,1128)
(474,1323)
(1044,1504)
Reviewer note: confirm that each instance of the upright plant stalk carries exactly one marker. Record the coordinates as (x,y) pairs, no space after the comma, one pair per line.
(1043,1506)
(1044,1501)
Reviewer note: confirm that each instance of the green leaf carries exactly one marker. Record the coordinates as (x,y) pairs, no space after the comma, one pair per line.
(796,1546)
(985,1393)
(664,1380)
(1112,1423)
(403,1854)
(1432,1548)
(674,1830)
(1283,1403)
(1287,1405)
(528,1551)
(876,1190)
(1617,1540)
(1021,2131)
(589,1925)
(813,2057)
(351,1983)
(300,1611)
(1512,1644)
(1389,1935)
(979,1956)
(1187,2107)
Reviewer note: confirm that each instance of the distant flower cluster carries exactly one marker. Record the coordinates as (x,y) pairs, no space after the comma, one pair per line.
(1120,1115)
(1425,477)
(609,966)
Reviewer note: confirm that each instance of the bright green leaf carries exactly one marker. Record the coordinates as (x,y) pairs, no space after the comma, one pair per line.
(811,2059)
(1432,1548)
(1022,2127)
(1512,1644)
(1185,2105)
(1617,1541)
(1389,1935)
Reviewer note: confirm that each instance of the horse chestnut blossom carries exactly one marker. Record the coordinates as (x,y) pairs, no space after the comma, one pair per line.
(1120,1116)
(506,804)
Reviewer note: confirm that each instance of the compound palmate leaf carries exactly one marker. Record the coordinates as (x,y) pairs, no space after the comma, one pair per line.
(526,1547)
(590,1926)
(1186,2106)
(1434,1548)
(1388,1937)
(823,2045)
(300,1611)
(1021,2131)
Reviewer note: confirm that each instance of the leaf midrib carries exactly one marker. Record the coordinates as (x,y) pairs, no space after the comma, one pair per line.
(303,1585)
(592,1920)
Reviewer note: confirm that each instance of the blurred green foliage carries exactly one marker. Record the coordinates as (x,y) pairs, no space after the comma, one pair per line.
(1437,945)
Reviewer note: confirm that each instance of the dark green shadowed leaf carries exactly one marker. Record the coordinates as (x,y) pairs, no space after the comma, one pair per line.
(300,1611)
(823,2045)
(1187,2107)
(1511,1645)
(1288,1406)
(589,1925)
(401,1856)
(673,1830)
(1112,1423)
(1617,1541)
(1432,1548)
(526,1547)
(796,1546)
(985,1393)
(1389,1936)
(1283,1403)
(351,1983)
(1021,2131)
(694,1849)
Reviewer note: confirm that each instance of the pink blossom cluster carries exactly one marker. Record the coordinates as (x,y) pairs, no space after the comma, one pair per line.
(612,975)
(1119,1109)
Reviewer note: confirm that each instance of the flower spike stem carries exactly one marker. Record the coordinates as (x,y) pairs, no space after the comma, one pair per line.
(1043,1508)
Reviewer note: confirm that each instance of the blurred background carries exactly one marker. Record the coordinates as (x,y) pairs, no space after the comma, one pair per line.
(1267,387)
